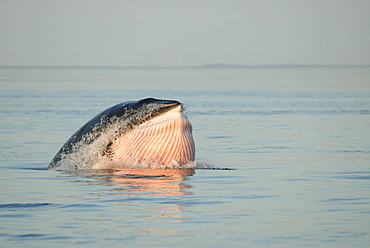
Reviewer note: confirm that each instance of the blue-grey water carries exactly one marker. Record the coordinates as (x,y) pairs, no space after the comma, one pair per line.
(300,163)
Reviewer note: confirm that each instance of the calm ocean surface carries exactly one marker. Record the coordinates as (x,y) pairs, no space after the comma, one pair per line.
(300,160)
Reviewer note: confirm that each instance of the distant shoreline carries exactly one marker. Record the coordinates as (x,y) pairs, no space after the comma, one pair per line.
(206,66)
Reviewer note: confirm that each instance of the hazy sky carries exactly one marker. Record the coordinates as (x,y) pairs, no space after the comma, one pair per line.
(183,33)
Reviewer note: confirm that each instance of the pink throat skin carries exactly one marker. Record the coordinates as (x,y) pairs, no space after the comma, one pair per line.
(164,139)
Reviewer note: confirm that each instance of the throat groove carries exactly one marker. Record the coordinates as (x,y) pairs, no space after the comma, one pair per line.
(164,139)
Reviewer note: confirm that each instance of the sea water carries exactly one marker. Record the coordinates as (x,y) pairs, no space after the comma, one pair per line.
(295,163)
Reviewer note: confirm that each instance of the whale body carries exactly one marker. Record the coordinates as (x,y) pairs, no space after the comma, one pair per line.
(148,131)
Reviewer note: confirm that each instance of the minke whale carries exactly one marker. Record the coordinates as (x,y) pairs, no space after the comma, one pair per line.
(148,131)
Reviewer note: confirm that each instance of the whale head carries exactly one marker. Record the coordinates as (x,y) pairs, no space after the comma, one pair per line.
(157,131)
(130,133)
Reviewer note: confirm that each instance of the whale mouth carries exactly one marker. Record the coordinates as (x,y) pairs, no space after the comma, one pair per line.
(158,107)
(172,107)
(164,139)
(151,108)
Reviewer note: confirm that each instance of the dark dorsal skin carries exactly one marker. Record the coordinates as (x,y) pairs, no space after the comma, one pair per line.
(130,113)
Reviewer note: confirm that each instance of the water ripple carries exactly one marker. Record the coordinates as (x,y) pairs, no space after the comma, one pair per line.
(22,206)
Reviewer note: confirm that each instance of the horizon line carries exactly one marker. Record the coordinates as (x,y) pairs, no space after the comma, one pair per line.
(212,65)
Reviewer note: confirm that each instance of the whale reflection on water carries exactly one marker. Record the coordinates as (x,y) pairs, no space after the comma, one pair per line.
(127,182)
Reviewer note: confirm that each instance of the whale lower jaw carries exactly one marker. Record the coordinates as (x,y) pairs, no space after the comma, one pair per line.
(165,139)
